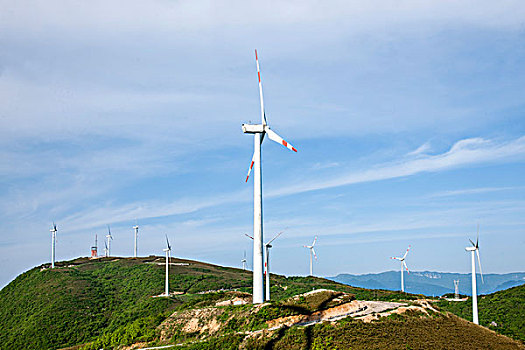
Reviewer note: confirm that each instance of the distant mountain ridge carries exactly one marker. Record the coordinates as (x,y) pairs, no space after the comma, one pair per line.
(432,283)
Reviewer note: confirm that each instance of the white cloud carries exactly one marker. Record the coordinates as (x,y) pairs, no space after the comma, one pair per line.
(463,153)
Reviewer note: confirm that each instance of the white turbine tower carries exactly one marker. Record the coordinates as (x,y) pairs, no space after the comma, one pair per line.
(167,250)
(403,264)
(106,251)
(267,265)
(136,227)
(53,243)
(472,249)
(312,253)
(109,239)
(244,261)
(456,289)
(259,130)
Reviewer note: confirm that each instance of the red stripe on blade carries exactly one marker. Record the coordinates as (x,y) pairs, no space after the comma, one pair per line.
(255,53)
(251,165)
(285,144)
(259,74)
(293,149)
(247,178)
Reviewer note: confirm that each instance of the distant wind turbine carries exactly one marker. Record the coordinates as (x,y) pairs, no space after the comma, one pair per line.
(53,243)
(472,249)
(312,254)
(244,261)
(456,289)
(106,251)
(259,130)
(136,227)
(267,264)
(167,250)
(109,239)
(403,264)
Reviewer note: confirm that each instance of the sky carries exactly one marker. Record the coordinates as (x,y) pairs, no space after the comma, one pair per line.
(408,117)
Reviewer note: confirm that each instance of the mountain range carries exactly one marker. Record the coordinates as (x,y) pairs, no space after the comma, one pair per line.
(432,283)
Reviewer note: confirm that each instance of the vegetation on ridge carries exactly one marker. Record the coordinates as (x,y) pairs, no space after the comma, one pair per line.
(505,308)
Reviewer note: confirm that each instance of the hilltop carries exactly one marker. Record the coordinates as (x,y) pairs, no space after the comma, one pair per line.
(109,303)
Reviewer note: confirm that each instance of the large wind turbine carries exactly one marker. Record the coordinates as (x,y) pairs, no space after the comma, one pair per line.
(167,250)
(403,264)
(53,243)
(259,130)
(109,239)
(267,265)
(312,253)
(472,249)
(136,227)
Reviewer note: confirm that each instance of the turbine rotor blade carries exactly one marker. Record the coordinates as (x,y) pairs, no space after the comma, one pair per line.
(313,251)
(274,237)
(406,267)
(404,256)
(168,242)
(477,237)
(315,240)
(250,168)
(472,242)
(263,115)
(274,137)
(479,263)
(247,235)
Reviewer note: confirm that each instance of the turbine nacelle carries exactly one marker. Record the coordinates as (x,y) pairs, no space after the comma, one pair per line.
(253,128)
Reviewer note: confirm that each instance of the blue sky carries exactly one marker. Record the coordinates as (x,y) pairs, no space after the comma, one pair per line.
(409,118)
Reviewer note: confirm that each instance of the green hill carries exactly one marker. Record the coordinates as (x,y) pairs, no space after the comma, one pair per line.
(83,299)
(108,303)
(505,308)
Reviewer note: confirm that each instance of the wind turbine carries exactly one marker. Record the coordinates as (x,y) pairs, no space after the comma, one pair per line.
(456,289)
(312,253)
(259,130)
(53,243)
(244,261)
(167,250)
(136,227)
(109,239)
(403,264)
(267,265)
(475,248)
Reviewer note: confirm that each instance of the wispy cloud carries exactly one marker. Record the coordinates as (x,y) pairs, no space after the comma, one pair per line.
(475,191)
(463,153)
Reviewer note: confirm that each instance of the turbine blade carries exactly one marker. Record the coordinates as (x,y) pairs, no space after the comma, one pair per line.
(315,240)
(274,237)
(168,242)
(313,251)
(247,235)
(404,256)
(395,258)
(274,137)
(406,267)
(479,263)
(263,115)
(250,168)
(477,237)
(472,242)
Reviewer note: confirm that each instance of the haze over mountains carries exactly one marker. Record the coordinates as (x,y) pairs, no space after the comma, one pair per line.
(432,283)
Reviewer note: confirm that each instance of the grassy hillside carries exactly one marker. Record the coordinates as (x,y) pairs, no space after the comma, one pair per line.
(505,308)
(110,299)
